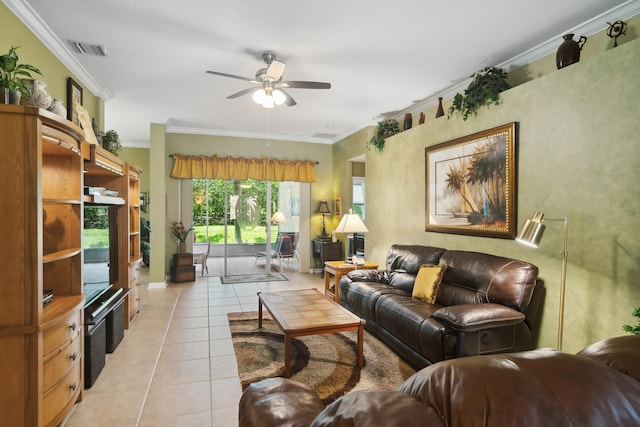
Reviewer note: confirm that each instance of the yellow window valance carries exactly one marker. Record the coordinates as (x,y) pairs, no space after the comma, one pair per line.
(264,169)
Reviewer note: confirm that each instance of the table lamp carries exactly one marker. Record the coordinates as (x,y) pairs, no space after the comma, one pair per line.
(531,234)
(323,208)
(350,224)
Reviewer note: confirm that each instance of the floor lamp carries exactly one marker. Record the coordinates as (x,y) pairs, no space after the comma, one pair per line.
(349,224)
(531,234)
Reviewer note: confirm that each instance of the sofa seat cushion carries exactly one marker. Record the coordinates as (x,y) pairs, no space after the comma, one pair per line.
(276,402)
(529,389)
(620,353)
(374,408)
(403,317)
(361,297)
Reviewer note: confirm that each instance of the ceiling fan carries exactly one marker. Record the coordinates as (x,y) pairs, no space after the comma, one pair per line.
(269,91)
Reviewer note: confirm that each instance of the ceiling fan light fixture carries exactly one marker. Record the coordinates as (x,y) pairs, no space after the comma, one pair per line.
(278,97)
(259,96)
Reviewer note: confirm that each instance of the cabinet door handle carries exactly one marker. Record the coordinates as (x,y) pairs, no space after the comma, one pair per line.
(73,326)
(74,356)
(73,386)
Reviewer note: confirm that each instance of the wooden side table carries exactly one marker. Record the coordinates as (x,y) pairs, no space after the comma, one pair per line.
(338,268)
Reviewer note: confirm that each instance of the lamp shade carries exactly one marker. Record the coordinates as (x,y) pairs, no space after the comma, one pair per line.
(278,217)
(323,207)
(531,232)
(351,223)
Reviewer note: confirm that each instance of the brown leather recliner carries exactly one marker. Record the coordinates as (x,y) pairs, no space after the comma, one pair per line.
(597,387)
(486,304)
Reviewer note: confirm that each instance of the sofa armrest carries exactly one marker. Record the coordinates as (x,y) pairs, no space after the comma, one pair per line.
(378,276)
(278,402)
(475,317)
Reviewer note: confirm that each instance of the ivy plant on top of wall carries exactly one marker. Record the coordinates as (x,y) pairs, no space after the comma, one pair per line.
(484,89)
(385,129)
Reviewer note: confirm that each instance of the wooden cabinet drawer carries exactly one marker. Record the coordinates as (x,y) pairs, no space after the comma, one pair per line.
(57,367)
(65,330)
(62,397)
(134,299)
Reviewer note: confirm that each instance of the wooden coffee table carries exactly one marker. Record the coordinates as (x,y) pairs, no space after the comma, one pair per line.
(338,268)
(308,312)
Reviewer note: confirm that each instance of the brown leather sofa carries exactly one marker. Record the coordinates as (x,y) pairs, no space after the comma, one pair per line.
(486,304)
(597,387)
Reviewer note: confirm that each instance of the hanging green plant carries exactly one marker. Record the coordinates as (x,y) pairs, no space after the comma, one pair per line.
(385,129)
(484,89)
(635,329)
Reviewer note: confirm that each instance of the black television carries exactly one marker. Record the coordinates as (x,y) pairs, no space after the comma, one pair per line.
(100,247)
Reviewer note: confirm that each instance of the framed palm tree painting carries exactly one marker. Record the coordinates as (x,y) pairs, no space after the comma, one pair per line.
(470,184)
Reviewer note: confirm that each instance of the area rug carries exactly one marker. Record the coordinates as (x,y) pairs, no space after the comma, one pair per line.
(327,363)
(250,278)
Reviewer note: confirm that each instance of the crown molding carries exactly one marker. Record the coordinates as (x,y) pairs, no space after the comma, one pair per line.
(240,134)
(32,20)
(623,11)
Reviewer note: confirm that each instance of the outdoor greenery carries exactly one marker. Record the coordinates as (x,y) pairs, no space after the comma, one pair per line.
(484,89)
(208,193)
(96,227)
(95,238)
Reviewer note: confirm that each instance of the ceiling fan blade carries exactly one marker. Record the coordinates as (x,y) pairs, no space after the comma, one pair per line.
(233,76)
(275,70)
(242,92)
(288,99)
(305,85)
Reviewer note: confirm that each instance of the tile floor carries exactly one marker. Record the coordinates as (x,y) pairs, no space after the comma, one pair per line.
(176,365)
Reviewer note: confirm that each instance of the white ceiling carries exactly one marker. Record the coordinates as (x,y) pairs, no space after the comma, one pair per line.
(380,57)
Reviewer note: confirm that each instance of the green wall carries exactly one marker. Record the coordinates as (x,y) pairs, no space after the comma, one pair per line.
(577,156)
(32,51)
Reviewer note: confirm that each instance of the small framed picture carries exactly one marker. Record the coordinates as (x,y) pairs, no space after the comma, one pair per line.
(337,206)
(74,97)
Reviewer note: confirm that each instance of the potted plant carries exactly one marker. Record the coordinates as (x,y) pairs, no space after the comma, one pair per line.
(111,142)
(11,77)
(484,89)
(633,329)
(181,232)
(385,129)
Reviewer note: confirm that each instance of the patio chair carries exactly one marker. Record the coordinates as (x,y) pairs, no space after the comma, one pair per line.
(201,258)
(276,249)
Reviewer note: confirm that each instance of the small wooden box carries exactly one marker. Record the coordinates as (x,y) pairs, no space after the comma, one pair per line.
(182,259)
(185,273)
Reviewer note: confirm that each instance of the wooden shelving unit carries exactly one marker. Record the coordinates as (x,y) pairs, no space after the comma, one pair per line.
(135,257)
(41,200)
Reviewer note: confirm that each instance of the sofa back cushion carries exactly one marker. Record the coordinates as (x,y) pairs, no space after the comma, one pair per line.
(404,261)
(473,277)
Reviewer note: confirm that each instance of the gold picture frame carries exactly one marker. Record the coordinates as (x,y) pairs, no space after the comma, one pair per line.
(74,98)
(337,206)
(470,184)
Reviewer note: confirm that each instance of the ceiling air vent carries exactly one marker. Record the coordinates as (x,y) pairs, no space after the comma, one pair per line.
(88,48)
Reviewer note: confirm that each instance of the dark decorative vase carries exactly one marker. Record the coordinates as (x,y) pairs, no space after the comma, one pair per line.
(569,51)
(408,121)
(4,95)
(440,111)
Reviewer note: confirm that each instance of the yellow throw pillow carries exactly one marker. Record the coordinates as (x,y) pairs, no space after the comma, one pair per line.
(428,282)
